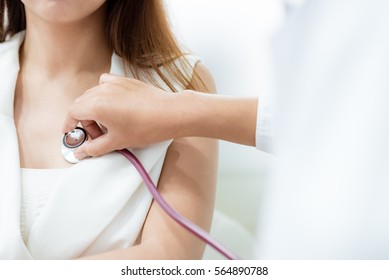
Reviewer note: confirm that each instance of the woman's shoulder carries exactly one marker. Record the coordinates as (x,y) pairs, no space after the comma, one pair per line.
(203,80)
(191,67)
(196,71)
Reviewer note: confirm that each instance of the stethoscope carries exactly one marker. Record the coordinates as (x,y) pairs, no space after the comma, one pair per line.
(72,140)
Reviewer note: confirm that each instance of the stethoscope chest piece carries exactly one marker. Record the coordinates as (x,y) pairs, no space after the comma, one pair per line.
(71,141)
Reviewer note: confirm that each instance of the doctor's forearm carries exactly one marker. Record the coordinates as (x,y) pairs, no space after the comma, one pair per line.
(222,117)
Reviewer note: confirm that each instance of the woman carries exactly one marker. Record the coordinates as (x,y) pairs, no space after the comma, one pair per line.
(98,208)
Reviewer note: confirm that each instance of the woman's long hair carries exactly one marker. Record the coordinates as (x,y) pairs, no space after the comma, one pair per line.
(138,31)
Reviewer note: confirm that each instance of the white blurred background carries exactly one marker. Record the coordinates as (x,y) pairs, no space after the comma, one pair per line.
(328,196)
(232,38)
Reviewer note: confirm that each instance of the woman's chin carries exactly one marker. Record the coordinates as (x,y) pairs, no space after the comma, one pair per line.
(62,11)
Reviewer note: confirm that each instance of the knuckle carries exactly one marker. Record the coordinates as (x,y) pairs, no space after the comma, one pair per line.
(97,104)
(106,87)
(71,113)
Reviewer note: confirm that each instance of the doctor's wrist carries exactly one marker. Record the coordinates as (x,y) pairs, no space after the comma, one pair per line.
(194,114)
(216,116)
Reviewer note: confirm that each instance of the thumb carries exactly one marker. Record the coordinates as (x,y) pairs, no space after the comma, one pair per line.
(95,147)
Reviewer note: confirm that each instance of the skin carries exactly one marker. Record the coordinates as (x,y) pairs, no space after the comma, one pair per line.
(58,65)
(54,53)
(136,114)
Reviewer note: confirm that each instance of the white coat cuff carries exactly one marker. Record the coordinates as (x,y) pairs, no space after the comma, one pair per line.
(264,127)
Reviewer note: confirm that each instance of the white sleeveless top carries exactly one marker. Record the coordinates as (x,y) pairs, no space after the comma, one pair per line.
(97,205)
(37,187)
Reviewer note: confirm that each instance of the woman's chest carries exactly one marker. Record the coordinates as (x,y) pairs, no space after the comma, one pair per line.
(40,108)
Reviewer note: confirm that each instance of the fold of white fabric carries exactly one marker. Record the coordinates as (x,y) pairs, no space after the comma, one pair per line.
(11,242)
(97,205)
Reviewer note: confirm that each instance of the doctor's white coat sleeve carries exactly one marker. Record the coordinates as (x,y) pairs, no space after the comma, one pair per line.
(264,124)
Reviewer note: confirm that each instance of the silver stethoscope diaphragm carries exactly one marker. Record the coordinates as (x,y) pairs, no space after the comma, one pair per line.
(71,141)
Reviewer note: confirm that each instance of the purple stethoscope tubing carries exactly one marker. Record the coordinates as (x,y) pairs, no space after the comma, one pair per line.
(194,229)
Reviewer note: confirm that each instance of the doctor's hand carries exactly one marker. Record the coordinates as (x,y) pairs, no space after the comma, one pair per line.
(131,113)
(135,114)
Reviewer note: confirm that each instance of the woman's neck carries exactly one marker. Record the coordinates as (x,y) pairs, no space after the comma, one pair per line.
(65,49)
